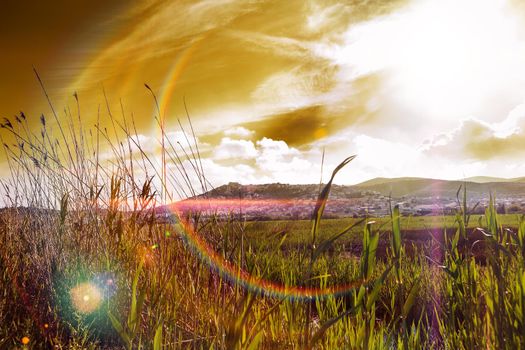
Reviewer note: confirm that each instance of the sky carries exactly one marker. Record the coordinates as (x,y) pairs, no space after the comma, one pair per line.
(427,88)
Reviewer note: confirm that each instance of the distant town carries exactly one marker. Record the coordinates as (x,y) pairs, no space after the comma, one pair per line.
(415,197)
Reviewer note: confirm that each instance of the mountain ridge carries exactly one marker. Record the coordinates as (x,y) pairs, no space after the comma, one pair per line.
(395,187)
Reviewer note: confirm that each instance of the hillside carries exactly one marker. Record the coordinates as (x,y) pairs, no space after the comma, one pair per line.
(420,187)
(396,187)
(485,179)
(277,191)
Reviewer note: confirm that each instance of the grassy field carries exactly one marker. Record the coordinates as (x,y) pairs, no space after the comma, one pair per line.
(100,272)
(299,230)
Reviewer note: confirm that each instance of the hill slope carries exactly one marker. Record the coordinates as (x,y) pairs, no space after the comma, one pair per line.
(420,187)
(396,187)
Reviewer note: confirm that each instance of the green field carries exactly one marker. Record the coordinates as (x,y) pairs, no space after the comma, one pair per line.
(299,231)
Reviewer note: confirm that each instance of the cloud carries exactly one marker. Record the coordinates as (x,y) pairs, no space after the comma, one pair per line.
(282,163)
(353,105)
(379,157)
(272,160)
(235,149)
(183,141)
(156,30)
(474,147)
(146,144)
(238,131)
(274,83)
(265,161)
(298,86)
(478,140)
(235,73)
(435,71)
(219,174)
(151,144)
(275,45)
(295,127)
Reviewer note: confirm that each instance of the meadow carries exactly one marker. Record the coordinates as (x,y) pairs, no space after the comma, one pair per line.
(86,264)
(414,227)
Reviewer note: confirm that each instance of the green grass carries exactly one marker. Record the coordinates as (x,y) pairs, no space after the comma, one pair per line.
(299,230)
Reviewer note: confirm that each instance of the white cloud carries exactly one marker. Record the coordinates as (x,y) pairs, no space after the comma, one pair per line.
(280,161)
(477,140)
(146,143)
(219,174)
(268,161)
(238,131)
(297,87)
(321,17)
(235,149)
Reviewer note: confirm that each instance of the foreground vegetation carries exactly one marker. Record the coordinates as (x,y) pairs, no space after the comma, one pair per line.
(101,272)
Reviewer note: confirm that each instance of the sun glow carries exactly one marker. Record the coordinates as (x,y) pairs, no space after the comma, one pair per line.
(443,58)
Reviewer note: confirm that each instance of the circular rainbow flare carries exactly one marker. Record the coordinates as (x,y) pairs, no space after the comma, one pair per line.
(206,253)
(252,283)
(86,297)
(175,72)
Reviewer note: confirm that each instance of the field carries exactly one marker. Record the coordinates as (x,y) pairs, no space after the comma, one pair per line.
(419,227)
(85,264)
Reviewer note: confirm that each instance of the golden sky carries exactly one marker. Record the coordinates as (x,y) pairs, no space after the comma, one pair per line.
(432,88)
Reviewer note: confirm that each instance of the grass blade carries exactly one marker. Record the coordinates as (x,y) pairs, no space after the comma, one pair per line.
(323,197)
(157,341)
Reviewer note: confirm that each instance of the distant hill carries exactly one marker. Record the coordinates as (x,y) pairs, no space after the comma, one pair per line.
(384,180)
(485,179)
(421,187)
(277,191)
(396,187)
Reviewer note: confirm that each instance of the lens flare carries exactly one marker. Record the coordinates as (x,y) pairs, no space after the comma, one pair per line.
(106,284)
(203,250)
(253,283)
(86,297)
(175,73)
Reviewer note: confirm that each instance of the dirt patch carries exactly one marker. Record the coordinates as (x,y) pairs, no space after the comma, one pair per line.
(431,242)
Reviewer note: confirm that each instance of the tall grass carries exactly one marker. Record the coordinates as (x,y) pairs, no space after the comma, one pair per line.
(83,207)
